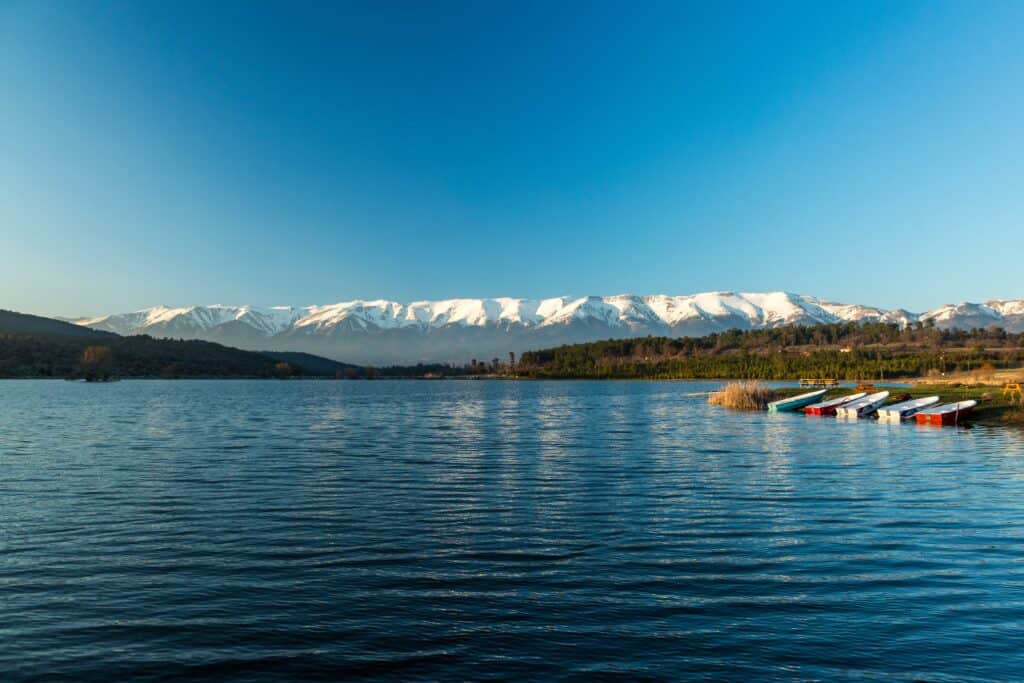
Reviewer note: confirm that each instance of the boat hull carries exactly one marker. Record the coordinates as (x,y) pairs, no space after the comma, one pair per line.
(831,410)
(868,410)
(830,407)
(795,403)
(864,407)
(950,416)
(906,410)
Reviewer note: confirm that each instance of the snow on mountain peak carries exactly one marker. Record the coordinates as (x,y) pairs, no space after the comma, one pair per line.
(623,310)
(341,329)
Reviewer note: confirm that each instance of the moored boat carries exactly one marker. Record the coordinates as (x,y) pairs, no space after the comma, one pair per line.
(907,409)
(796,402)
(829,407)
(864,406)
(946,414)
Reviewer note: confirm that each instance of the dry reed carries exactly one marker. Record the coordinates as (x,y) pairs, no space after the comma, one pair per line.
(743,395)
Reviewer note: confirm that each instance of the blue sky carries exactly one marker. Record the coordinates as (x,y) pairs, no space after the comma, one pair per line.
(300,153)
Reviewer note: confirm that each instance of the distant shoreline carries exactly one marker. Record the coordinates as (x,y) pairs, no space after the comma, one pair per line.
(993,406)
(457,378)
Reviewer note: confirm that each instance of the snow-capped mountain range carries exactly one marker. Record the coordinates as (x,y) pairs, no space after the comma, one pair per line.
(380,332)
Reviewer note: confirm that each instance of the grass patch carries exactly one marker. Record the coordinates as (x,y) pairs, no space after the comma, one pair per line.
(1013,416)
(743,396)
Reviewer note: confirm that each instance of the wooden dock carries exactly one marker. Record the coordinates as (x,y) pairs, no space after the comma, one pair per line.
(820,382)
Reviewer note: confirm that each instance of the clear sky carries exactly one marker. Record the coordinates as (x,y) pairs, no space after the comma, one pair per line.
(298,153)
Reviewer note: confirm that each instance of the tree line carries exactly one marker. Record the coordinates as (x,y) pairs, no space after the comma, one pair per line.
(842,350)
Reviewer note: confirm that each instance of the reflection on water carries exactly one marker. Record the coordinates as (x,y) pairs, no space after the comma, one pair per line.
(466,530)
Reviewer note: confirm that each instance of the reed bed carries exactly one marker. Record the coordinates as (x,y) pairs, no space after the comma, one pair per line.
(743,396)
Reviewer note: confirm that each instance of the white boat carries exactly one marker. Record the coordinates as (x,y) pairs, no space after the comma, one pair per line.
(901,411)
(795,402)
(829,407)
(863,407)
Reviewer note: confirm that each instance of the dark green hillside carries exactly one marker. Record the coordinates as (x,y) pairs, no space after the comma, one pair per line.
(32,346)
(61,356)
(22,323)
(309,364)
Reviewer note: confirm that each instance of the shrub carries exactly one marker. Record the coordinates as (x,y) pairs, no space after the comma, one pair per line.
(743,395)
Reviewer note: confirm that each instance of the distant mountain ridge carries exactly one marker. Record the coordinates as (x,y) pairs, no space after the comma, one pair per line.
(380,332)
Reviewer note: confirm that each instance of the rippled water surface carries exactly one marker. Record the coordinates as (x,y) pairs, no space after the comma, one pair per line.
(496,530)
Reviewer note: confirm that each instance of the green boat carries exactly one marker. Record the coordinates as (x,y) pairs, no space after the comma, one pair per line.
(796,402)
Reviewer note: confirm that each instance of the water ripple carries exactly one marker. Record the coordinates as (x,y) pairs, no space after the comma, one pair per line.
(494,531)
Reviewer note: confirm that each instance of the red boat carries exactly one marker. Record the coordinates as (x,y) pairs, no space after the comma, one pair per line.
(946,414)
(829,407)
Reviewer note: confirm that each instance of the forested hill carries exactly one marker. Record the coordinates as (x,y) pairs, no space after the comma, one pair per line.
(23,323)
(33,346)
(317,365)
(843,351)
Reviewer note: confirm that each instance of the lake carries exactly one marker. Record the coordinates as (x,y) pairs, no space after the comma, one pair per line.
(267,530)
